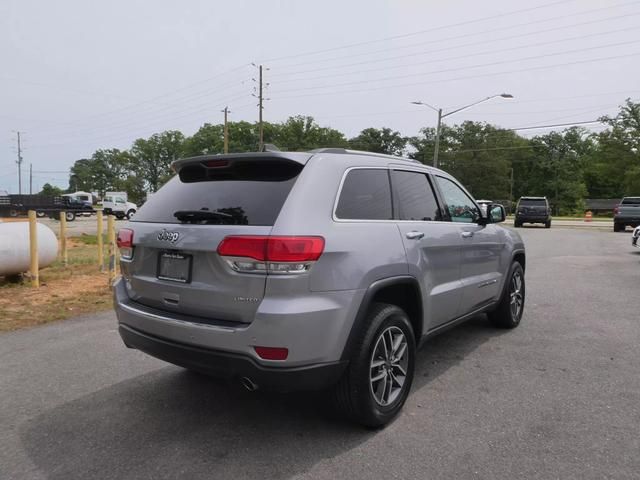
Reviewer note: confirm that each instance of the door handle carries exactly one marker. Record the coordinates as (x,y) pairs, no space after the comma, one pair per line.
(467,234)
(415,235)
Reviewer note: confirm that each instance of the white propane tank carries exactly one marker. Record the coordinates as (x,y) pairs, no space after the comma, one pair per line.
(14,247)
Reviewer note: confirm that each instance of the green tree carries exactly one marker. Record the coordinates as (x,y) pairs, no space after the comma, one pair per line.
(379,140)
(51,190)
(477,154)
(81,176)
(613,168)
(104,171)
(302,133)
(557,170)
(152,157)
(209,139)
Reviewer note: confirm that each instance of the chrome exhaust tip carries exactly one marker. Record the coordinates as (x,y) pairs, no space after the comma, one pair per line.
(248,384)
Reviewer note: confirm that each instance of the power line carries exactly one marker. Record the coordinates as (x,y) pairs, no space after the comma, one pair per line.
(454,47)
(479,65)
(570,124)
(154,109)
(405,35)
(430,61)
(164,95)
(159,120)
(466,77)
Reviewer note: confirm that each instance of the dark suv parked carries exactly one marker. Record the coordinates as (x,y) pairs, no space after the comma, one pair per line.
(533,210)
(317,270)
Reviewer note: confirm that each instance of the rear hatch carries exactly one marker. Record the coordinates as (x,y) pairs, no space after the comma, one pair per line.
(533,207)
(629,207)
(175,267)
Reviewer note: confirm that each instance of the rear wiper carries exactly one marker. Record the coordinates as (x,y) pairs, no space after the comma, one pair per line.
(200,215)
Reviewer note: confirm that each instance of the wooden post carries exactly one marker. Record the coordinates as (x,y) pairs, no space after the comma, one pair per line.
(63,238)
(111,241)
(100,245)
(33,249)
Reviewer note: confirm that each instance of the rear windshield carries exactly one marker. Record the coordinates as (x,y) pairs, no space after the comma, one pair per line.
(533,202)
(249,194)
(631,201)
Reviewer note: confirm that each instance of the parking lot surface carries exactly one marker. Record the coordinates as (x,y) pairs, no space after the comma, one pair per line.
(559,397)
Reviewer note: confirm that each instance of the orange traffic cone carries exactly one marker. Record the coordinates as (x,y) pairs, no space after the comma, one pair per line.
(588,216)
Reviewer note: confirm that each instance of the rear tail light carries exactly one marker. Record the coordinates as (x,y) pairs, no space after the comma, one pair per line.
(616,210)
(272,353)
(269,254)
(125,243)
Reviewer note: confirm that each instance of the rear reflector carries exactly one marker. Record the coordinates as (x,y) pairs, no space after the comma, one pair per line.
(272,249)
(272,353)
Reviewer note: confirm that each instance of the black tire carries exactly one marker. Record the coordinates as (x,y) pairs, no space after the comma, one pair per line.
(547,224)
(618,227)
(354,395)
(40,214)
(119,216)
(130,214)
(69,216)
(504,315)
(517,224)
(13,213)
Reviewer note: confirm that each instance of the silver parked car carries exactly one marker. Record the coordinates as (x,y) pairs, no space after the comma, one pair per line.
(318,270)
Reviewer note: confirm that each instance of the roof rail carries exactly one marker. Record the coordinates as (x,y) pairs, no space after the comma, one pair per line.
(361,152)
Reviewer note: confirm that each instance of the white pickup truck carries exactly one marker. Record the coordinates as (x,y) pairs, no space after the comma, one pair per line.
(116,203)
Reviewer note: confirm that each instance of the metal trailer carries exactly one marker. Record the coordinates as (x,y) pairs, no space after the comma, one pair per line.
(44,205)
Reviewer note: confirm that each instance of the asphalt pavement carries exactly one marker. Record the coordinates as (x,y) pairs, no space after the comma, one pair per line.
(559,397)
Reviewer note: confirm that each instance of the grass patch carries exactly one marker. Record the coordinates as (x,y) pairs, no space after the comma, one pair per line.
(65,291)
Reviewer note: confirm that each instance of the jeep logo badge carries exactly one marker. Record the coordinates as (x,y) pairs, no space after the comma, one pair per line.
(166,236)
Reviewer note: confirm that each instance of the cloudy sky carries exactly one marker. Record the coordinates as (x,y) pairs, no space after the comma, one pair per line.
(78,75)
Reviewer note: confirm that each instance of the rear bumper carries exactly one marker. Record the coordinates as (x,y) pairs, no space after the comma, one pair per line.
(532,219)
(631,221)
(230,365)
(314,329)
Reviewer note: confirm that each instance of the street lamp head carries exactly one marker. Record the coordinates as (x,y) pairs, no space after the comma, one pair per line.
(506,95)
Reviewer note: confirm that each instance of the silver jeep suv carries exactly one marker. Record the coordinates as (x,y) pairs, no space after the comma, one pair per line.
(318,270)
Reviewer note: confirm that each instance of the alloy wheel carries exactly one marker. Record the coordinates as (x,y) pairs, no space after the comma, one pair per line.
(517,295)
(388,366)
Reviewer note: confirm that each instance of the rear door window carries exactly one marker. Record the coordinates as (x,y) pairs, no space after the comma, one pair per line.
(416,200)
(245,193)
(365,195)
(631,201)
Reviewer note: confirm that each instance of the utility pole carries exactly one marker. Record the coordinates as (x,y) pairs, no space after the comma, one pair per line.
(226,130)
(19,162)
(511,190)
(30,179)
(260,107)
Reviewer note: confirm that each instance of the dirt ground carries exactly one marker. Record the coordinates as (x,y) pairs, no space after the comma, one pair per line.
(65,291)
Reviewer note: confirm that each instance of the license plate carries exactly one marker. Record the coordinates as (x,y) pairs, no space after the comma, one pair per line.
(175,267)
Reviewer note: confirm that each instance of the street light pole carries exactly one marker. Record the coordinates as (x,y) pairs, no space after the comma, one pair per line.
(443,115)
(436,150)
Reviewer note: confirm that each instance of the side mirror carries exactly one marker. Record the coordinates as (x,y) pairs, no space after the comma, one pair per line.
(496,213)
